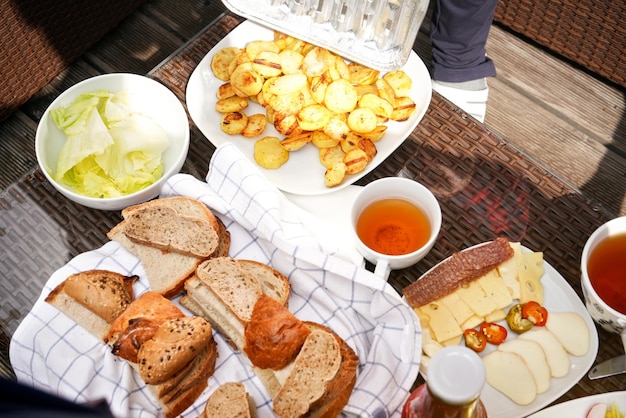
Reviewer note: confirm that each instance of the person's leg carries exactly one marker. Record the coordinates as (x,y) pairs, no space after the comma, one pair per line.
(459,31)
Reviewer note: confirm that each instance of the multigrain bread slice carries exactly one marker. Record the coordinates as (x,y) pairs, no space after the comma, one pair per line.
(167,270)
(224,291)
(177,224)
(321,379)
(229,400)
(93,299)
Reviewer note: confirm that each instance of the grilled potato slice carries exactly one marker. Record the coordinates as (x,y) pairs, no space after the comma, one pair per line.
(287,125)
(246,81)
(225,91)
(384,90)
(296,142)
(256,125)
(268,64)
(380,106)
(400,82)
(404,108)
(362,120)
(233,123)
(313,117)
(361,74)
(231,104)
(286,104)
(331,156)
(220,63)
(316,61)
(335,174)
(355,160)
(253,48)
(336,128)
(269,153)
(321,140)
(341,96)
(290,61)
(288,84)
(376,134)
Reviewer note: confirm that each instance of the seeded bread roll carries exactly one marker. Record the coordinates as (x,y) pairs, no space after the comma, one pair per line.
(175,343)
(139,323)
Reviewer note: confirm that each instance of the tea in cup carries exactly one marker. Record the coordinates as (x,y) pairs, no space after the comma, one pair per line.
(603,276)
(395,222)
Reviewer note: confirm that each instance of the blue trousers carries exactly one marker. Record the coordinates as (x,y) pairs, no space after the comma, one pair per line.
(458,32)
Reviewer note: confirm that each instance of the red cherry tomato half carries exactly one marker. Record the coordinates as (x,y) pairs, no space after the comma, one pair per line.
(494,333)
(475,339)
(535,313)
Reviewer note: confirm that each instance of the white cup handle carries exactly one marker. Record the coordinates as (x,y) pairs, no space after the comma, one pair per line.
(382,269)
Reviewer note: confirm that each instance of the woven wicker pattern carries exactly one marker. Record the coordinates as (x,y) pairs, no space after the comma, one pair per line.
(40,38)
(486,188)
(590,33)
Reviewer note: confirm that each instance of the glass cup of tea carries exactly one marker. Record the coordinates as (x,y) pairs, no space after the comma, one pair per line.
(395,222)
(603,276)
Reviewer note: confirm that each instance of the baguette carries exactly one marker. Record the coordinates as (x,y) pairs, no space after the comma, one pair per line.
(93,299)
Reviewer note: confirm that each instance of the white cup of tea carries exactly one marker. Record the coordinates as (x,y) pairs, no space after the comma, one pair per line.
(603,276)
(395,222)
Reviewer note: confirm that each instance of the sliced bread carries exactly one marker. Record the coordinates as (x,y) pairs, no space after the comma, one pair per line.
(162,227)
(229,400)
(321,379)
(224,291)
(167,270)
(93,299)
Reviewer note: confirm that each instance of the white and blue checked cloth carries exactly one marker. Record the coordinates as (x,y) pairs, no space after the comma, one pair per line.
(52,353)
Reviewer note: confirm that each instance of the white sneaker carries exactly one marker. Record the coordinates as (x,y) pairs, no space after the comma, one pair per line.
(473,102)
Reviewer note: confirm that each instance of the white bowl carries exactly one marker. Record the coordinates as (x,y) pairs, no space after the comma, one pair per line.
(154,100)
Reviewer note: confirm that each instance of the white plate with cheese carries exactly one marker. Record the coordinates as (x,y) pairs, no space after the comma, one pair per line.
(303,174)
(558,297)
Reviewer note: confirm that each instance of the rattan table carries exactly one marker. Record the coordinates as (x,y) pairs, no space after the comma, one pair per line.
(485,186)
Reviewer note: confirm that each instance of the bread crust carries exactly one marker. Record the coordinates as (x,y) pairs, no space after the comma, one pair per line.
(274,336)
(93,298)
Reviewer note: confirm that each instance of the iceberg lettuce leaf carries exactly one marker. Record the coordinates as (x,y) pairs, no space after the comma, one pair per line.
(110,150)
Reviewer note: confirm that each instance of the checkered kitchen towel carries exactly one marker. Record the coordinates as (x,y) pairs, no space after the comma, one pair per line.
(50,352)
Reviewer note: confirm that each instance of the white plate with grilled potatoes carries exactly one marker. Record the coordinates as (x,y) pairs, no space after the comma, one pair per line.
(308,158)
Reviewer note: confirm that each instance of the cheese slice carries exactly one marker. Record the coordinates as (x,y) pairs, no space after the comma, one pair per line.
(441,321)
(529,273)
(494,287)
(508,270)
(534,357)
(477,299)
(459,309)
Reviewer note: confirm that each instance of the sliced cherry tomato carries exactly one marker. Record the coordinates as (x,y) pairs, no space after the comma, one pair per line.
(475,339)
(494,333)
(535,313)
